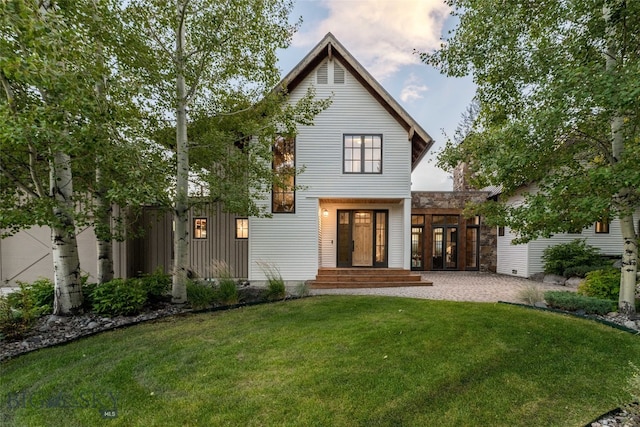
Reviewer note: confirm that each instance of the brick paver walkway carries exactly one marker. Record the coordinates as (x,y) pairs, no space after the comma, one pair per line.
(456,286)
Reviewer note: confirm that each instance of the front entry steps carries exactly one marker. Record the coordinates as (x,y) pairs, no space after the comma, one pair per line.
(331,278)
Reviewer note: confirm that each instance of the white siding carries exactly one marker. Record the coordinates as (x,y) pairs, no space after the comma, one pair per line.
(292,241)
(512,259)
(526,259)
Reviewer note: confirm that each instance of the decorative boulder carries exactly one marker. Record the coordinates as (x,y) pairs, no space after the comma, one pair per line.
(554,279)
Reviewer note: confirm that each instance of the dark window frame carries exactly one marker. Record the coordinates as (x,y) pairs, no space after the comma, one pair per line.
(279,193)
(362,157)
(198,229)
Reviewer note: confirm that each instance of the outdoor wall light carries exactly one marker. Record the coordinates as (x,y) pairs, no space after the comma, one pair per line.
(325,213)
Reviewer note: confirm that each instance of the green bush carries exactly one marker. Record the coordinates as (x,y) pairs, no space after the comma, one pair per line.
(570,301)
(227,292)
(42,291)
(560,259)
(581,271)
(200,295)
(18,311)
(119,297)
(87,295)
(603,284)
(157,286)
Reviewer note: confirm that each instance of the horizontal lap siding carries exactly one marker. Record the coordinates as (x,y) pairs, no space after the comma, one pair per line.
(291,241)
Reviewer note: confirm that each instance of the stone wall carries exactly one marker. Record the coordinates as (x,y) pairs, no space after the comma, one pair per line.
(436,200)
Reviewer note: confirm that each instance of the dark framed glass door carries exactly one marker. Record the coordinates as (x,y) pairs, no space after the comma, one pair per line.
(362,238)
(445,242)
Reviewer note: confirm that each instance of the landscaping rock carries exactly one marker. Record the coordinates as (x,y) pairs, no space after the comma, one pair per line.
(537,277)
(540,304)
(553,279)
(573,282)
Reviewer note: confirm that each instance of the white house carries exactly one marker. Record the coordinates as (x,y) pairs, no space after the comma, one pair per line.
(525,259)
(354,208)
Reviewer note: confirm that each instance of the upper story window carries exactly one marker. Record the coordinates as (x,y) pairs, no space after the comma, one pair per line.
(362,153)
(200,228)
(602,227)
(284,167)
(338,74)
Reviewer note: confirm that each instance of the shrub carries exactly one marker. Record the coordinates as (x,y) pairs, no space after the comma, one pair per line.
(119,297)
(42,292)
(227,292)
(559,259)
(276,288)
(18,311)
(570,301)
(603,284)
(302,290)
(87,295)
(157,285)
(531,294)
(200,295)
(581,271)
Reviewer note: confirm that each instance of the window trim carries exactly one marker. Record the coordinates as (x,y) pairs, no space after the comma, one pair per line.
(197,231)
(239,223)
(362,155)
(274,186)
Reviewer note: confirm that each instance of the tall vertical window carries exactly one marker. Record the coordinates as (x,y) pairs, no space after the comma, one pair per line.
(284,167)
(242,228)
(200,228)
(362,153)
(602,227)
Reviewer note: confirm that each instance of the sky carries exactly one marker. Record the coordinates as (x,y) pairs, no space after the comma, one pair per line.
(383,35)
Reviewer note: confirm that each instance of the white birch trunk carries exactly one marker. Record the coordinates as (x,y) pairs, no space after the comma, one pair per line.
(66,264)
(181,207)
(104,243)
(628,269)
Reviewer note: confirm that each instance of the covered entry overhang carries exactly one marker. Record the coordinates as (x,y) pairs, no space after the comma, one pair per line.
(363,232)
(364,242)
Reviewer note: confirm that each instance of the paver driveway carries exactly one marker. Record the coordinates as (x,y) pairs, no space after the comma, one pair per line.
(456,286)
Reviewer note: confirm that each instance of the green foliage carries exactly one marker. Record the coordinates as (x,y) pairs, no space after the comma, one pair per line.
(200,295)
(88,289)
(603,284)
(42,292)
(275,287)
(531,294)
(20,309)
(633,388)
(571,257)
(157,286)
(570,301)
(119,297)
(226,292)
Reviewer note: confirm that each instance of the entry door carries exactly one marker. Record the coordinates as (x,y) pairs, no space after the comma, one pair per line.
(362,238)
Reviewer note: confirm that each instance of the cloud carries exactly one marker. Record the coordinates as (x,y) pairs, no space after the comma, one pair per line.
(382,34)
(413,89)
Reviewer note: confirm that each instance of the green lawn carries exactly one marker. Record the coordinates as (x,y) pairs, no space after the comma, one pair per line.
(330,361)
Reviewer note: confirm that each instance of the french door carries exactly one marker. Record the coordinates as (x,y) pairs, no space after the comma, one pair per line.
(362,238)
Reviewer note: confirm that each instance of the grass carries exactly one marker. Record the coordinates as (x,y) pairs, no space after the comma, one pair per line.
(332,361)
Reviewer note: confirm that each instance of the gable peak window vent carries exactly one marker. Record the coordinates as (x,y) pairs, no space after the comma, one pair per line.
(322,75)
(338,74)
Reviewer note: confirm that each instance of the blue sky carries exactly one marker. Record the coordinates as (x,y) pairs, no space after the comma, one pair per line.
(382,36)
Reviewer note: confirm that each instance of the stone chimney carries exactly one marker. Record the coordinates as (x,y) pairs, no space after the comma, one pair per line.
(461,178)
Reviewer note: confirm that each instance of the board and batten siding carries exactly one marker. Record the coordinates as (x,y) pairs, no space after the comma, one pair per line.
(291,241)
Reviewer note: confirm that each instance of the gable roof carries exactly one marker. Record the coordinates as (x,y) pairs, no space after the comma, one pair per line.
(330,47)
